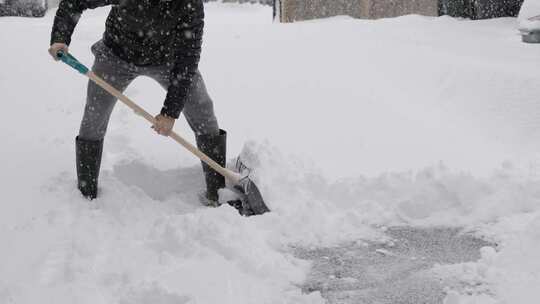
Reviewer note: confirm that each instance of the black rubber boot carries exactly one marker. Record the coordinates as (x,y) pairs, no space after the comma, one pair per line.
(88,158)
(215,147)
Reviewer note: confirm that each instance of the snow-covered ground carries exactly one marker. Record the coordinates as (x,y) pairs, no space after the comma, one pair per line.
(356,126)
(529,16)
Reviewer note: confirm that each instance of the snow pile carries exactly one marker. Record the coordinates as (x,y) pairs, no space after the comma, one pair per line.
(530,24)
(510,274)
(343,117)
(129,248)
(433,196)
(529,16)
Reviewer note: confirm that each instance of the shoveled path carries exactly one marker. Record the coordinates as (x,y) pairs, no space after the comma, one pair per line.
(392,272)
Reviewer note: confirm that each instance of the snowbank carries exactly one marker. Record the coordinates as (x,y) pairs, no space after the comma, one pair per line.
(509,274)
(529,10)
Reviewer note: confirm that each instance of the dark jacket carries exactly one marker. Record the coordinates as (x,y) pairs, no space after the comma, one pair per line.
(146,32)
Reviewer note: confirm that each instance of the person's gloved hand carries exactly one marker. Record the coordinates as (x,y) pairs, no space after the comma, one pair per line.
(56,47)
(163,125)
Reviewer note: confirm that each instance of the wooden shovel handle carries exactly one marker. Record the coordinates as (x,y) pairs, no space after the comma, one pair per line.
(230,175)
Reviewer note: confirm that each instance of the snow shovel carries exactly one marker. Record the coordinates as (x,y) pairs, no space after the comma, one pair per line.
(252,201)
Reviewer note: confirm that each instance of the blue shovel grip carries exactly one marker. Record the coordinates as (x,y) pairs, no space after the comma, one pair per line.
(72,62)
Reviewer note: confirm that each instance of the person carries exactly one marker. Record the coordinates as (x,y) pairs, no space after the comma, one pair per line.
(160,39)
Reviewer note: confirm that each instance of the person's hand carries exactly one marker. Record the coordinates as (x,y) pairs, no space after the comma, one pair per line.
(163,125)
(56,47)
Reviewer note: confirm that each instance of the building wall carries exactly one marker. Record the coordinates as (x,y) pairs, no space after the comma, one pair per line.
(53,3)
(296,10)
(394,8)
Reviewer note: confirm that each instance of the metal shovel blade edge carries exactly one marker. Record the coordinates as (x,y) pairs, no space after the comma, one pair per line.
(254,202)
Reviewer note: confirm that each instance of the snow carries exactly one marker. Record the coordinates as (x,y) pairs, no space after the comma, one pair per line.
(351,125)
(529,10)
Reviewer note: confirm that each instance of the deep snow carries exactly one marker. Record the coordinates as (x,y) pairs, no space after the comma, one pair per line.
(355,125)
(529,10)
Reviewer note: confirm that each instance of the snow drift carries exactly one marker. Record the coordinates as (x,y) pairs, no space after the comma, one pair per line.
(529,10)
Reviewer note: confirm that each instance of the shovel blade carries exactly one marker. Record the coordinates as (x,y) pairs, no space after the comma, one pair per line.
(253,202)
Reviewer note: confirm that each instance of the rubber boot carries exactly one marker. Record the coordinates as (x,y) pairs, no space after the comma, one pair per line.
(215,147)
(88,158)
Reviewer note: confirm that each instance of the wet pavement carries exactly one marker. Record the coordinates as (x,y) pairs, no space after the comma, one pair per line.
(396,271)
